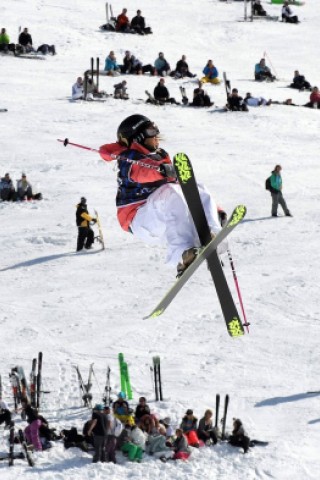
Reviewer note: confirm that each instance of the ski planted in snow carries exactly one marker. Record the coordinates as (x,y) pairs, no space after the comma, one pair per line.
(216,425)
(86,396)
(224,418)
(227,85)
(100,236)
(107,389)
(11,444)
(39,380)
(33,383)
(24,446)
(157,378)
(151,98)
(190,191)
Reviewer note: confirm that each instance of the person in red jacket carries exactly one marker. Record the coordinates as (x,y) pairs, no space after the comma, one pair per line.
(149,199)
(314,98)
(123,23)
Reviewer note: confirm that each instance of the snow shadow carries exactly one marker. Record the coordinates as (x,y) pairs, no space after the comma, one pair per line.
(246,220)
(269,402)
(312,422)
(37,261)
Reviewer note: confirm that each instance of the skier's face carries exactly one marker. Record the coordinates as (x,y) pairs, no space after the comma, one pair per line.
(152,143)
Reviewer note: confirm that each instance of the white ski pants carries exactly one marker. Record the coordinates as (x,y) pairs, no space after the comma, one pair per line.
(165,219)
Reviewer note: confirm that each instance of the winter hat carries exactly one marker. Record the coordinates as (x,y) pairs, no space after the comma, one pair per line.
(99,407)
(121,395)
(166,421)
(189,412)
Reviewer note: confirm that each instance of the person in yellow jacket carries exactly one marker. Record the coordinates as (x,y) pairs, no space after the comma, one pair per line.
(85,232)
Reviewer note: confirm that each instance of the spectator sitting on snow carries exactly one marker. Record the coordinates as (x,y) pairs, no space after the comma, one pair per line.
(235,102)
(25,40)
(201,98)
(121,409)
(258,9)
(182,69)
(238,438)
(5,45)
(189,426)
(314,98)
(161,93)
(180,446)
(206,431)
(24,188)
(32,430)
(7,190)
(299,82)
(141,409)
(161,65)
(256,101)
(45,49)
(138,24)
(210,73)
(120,90)
(262,72)
(5,414)
(287,14)
(122,24)
(111,66)
(77,89)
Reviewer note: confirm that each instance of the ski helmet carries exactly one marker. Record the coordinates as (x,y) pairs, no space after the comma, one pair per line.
(136,128)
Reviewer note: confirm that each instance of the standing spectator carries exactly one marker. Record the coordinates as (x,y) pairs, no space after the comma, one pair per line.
(161,93)
(161,65)
(287,14)
(7,190)
(5,45)
(111,441)
(182,69)
(139,25)
(24,188)
(299,82)
(122,24)
(314,98)
(262,72)
(276,192)
(235,102)
(25,40)
(85,233)
(210,74)
(77,89)
(111,66)
(98,428)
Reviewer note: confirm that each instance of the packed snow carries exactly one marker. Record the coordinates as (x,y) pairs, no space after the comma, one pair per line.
(83,308)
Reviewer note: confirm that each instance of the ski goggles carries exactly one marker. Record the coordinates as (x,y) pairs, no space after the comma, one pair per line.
(151,131)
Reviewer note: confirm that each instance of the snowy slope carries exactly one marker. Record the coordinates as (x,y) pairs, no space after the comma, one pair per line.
(80,309)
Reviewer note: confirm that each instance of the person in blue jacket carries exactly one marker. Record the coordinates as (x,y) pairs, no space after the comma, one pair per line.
(262,72)
(111,66)
(211,74)
(276,192)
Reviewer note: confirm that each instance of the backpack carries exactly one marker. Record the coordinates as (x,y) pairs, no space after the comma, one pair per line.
(118,427)
(268,184)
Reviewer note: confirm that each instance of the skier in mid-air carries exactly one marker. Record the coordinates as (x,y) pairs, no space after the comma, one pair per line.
(149,199)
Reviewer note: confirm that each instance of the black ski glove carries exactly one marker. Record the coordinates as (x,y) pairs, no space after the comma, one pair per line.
(94,220)
(167,170)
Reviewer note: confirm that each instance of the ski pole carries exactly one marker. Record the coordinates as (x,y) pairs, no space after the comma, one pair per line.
(112,156)
(66,142)
(246,324)
(267,56)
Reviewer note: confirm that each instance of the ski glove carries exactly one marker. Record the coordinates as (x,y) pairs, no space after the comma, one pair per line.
(167,170)
(94,220)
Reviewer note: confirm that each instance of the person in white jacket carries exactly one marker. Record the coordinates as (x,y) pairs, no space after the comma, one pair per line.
(24,188)
(77,89)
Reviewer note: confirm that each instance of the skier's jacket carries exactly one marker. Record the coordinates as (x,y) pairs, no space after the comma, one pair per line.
(82,216)
(276,182)
(210,72)
(136,181)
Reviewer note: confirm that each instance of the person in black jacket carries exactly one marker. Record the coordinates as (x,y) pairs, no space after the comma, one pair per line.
(98,428)
(235,102)
(239,438)
(25,40)
(299,82)
(85,233)
(162,95)
(182,69)
(139,25)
